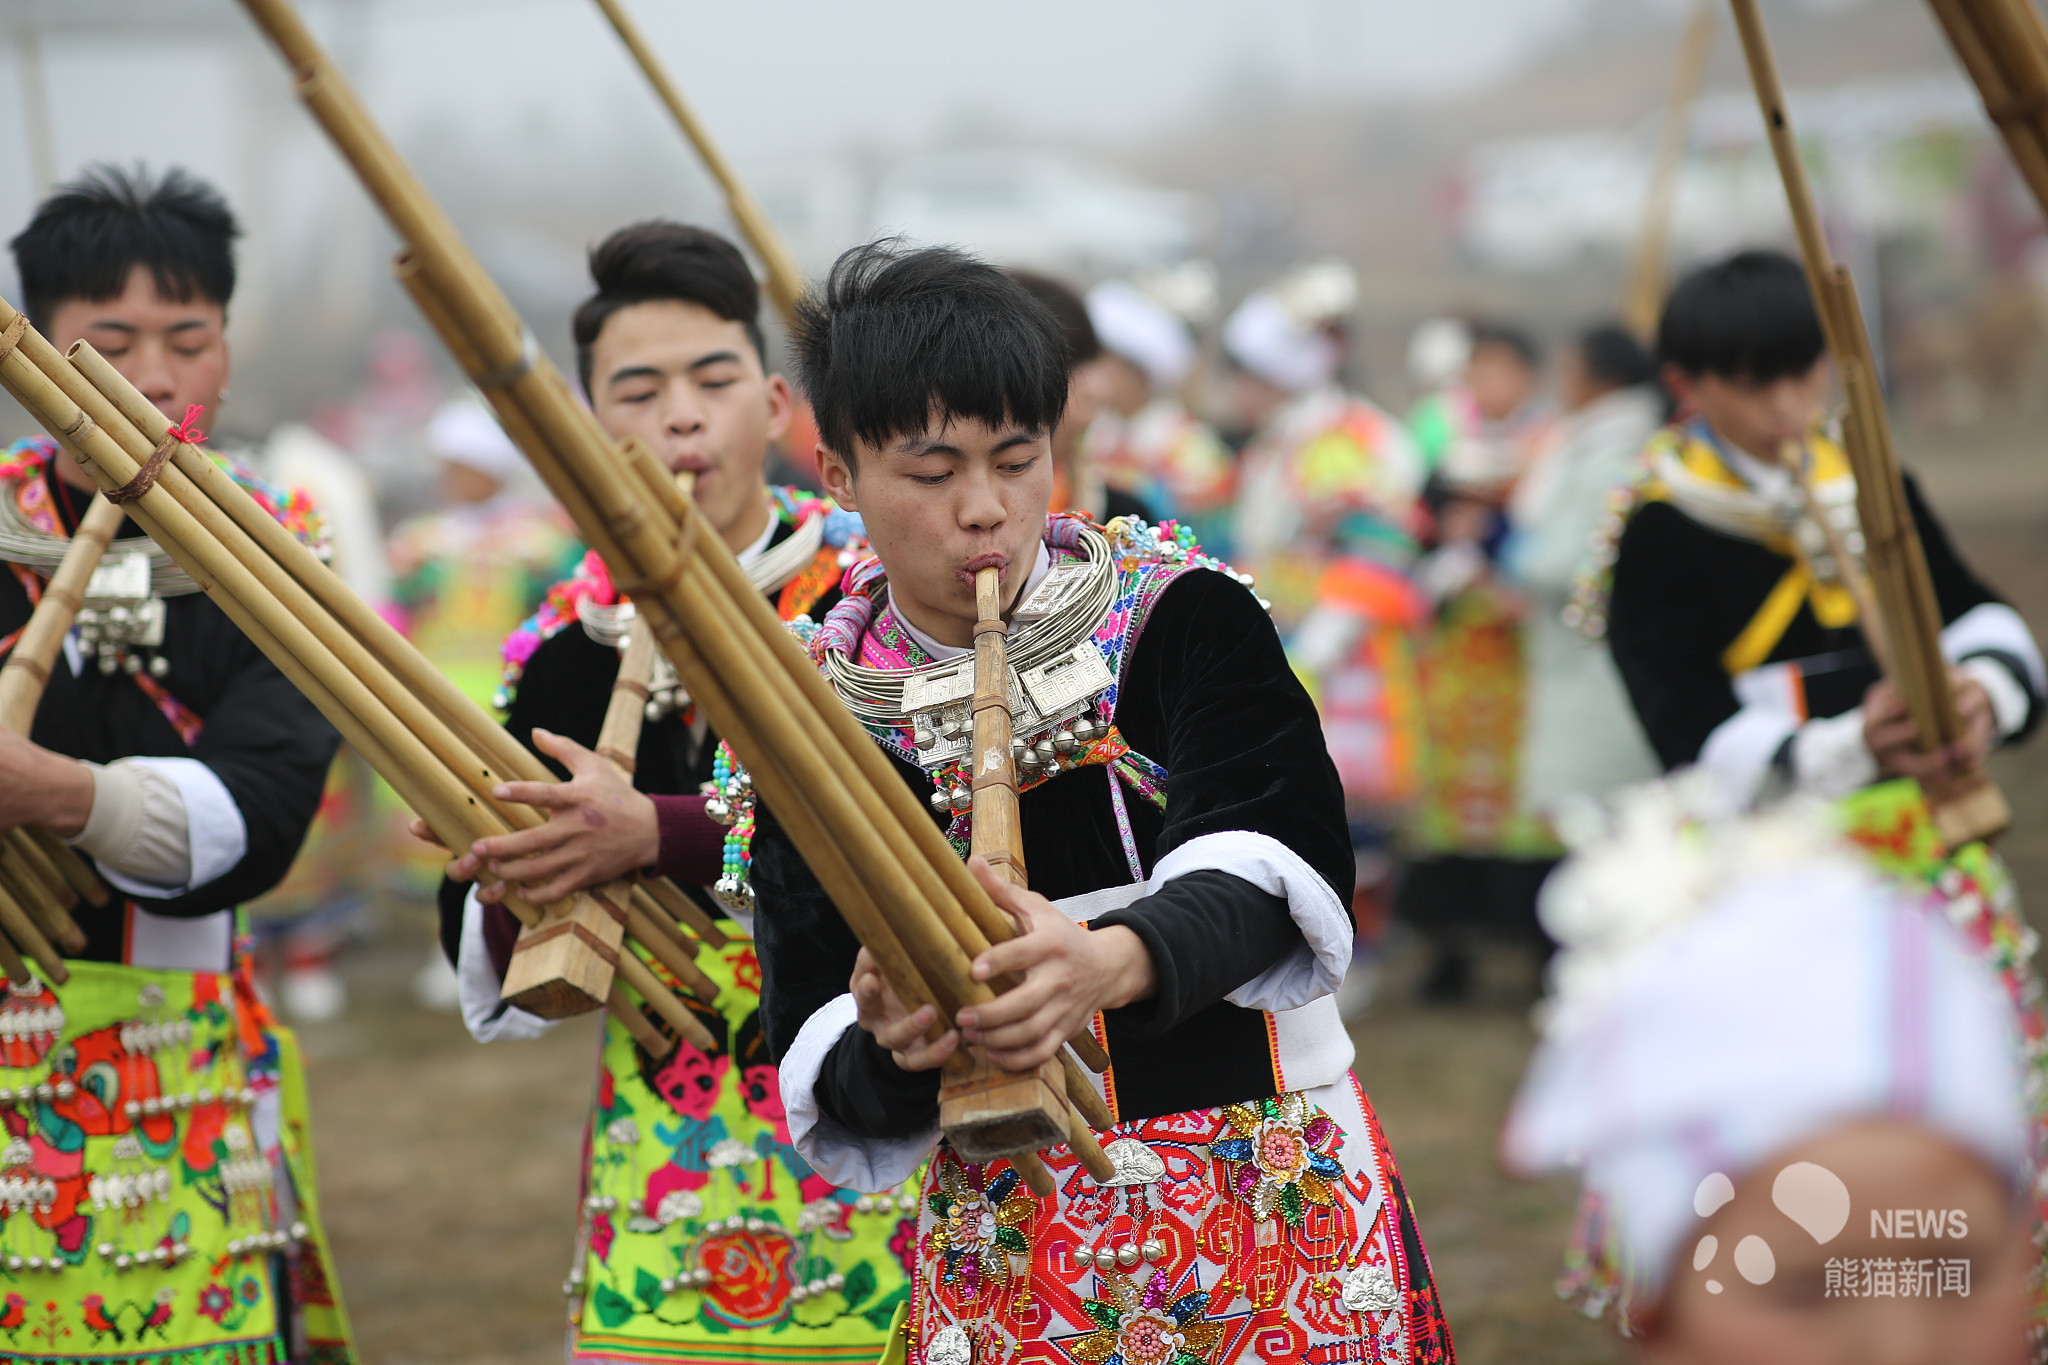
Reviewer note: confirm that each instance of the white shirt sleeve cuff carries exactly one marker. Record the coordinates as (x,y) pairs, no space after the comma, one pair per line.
(1829,757)
(1317,967)
(2009,700)
(176,801)
(484,1013)
(868,1165)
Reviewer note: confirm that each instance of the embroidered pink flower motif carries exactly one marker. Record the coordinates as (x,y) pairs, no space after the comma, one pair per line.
(601,1235)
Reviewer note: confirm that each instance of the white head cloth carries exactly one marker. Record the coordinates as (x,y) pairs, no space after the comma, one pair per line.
(1135,327)
(1265,338)
(1796,993)
(463,431)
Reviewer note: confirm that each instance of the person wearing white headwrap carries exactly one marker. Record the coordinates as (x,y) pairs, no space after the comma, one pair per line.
(1145,441)
(1327,490)
(467,574)
(1795,1096)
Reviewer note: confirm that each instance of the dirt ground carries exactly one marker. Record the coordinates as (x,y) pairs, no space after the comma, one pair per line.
(448,1169)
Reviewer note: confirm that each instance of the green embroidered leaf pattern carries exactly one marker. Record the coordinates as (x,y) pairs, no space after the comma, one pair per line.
(860,1284)
(613,1308)
(939,1204)
(647,1289)
(1009,1239)
(1291,1206)
(883,1313)
(1104,1313)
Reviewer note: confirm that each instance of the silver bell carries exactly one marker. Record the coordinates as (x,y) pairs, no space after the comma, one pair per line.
(962,800)
(1065,742)
(940,802)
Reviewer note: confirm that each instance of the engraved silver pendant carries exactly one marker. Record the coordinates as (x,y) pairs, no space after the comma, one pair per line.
(950,1346)
(1370,1289)
(1136,1164)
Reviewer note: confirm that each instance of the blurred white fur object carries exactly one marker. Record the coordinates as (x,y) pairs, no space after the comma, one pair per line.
(1652,857)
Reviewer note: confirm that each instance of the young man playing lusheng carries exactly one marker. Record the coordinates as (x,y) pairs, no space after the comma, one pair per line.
(187,769)
(691,1185)
(1730,620)
(1190,873)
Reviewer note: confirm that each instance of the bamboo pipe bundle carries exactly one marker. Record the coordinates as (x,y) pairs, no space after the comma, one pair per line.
(41,878)
(534,991)
(2001,43)
(1908,628)
(424,758)
(785,281)
(864,833)
(1643,299)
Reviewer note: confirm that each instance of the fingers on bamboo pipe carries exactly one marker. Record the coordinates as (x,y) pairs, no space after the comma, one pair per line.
(663,948)
(656,1043)
(1037,1178)
(635,974)
(33,945)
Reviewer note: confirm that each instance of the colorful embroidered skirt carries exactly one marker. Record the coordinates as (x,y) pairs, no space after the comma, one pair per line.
(157,1176)
(1472,702)
(1275,1231)
(704,1237)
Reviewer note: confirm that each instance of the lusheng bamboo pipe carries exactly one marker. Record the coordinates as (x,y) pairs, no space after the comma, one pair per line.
(785,281)
(979,1094)
(711,616)
(27,670)
(23,680)
(2014,108)
(454,812)
(1970,807)
(1643,299)
(461,720)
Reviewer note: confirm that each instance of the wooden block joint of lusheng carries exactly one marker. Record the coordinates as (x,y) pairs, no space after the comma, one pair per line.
(988,1113)
(562,965)
(1971,811)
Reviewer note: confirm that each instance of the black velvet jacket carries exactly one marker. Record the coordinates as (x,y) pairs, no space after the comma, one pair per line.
(267,744)
(1208,694)
(1682,594)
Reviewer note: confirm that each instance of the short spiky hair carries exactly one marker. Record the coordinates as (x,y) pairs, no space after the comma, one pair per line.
(1748,317)
(87,237)
(663,262)
(898,334)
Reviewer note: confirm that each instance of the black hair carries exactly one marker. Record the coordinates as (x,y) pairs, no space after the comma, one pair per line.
(1611,355)
(896,333)
(1748,317)
(87,238)
(1507,334)
(1068,309)
(659,261)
